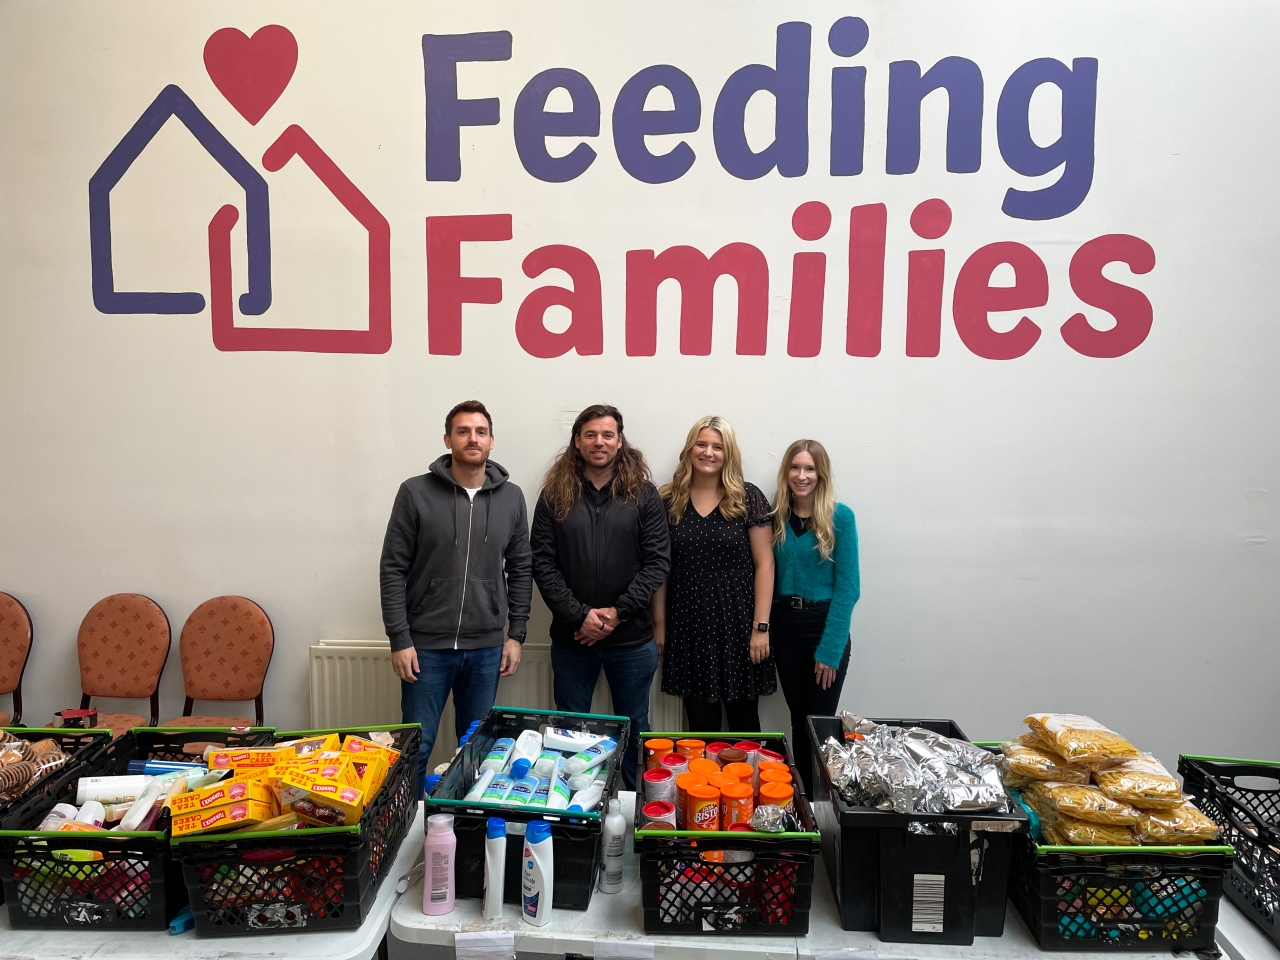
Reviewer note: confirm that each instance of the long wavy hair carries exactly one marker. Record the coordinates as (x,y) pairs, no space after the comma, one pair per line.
(562,484)
(676,493)
(824,497)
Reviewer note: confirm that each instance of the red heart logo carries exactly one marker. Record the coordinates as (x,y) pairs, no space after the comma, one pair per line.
(251,72)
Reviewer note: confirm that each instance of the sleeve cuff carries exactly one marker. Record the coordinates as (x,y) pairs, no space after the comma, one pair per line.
(401,641)
(517,629)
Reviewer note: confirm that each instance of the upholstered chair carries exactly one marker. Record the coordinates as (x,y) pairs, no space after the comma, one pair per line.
(225,648)
(15,648)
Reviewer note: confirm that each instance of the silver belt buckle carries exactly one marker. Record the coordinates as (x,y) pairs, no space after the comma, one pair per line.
(797,603)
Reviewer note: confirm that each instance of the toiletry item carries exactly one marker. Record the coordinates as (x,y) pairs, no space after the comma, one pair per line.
(588,799)
(156,767)
(430,783)
(56,817)
(613,843)
(542,796)
(498,789)
(495,867)
(591,757)
(498,753)
(520,769)
(522,791)
(154,791)
(110,789)
(547,762)
(538,874)
(528,746)
(580,782)
(481,784)
(560,794)
(92,813)
(439,853)
(569,741)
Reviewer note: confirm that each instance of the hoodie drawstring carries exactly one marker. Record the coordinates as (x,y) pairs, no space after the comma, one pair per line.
(454,503)
(488,512)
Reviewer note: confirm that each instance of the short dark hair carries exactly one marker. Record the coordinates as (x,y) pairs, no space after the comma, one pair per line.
(466,406)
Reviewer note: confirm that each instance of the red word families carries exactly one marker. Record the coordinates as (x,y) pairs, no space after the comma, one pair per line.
(975,297)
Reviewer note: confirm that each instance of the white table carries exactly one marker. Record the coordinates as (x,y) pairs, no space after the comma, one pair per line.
(359,944)
(1240,938)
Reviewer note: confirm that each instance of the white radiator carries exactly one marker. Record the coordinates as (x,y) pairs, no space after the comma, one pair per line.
(352,684)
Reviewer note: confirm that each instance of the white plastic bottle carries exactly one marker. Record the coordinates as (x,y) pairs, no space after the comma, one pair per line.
(591,757)
(439,852)
(613,844)
(558,798)
(570,741)
(498,755)
(495,866)
(588,799)
(547,763)
(482,784)
(92,813)
(528,746)
(538,874)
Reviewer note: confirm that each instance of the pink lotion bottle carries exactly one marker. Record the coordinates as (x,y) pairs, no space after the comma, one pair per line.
(437,876)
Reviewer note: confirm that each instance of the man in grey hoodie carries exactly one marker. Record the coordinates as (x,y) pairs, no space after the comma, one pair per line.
(455,567)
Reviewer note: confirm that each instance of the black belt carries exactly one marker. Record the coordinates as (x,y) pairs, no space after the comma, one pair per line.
(800,603)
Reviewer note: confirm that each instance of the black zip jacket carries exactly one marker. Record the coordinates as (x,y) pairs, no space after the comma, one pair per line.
(454,569)
(605,553)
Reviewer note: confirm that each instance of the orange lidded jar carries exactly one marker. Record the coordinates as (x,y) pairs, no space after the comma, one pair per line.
(703,766)
(677,763)
(732,755)
(722,780)
(774,776)
(683,783)
(774,765)
(741,771)
(712,751)
(691,748)
(704,808)
(736,805)
(780,795)
(655,750)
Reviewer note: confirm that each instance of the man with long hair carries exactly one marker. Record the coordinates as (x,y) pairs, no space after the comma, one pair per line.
(456,570)
(601,547)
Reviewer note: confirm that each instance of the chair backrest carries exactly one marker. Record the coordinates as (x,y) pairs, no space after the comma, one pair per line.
(226,648)
(15,645)
(123,644)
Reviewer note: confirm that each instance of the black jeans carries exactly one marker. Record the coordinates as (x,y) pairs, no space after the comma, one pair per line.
(704,715)
(795,639)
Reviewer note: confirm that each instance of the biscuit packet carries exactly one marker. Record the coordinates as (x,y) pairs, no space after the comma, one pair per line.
(1082,802)
(1180,824)
(1078,739)
(1023,761)
(1082,833)
(1141,781)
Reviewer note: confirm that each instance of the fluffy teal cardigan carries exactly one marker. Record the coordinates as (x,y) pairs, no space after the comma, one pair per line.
(801,572)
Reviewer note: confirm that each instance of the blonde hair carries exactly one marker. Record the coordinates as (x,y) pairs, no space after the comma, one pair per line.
(824,497)
(676,493)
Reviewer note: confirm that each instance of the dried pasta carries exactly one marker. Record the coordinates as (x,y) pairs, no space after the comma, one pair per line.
(1077,738)
(1083,802)
(1033,764)
(1141,781)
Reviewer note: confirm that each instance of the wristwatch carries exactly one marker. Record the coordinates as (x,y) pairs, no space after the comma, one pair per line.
(762,627)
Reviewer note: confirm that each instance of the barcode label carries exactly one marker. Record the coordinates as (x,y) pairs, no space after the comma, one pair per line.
(926,903)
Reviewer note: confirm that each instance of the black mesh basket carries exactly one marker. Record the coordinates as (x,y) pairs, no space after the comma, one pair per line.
(1243,798)
(317,878)
(115,879)
(87,750)
(728,882)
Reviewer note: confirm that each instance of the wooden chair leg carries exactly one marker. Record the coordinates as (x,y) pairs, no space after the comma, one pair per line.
(16,719)
(188,707)
(257,704)
(84,701)
(155,707)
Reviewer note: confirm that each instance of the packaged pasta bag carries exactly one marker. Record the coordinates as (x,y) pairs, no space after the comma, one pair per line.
(1180,824)
(1141,781)
(1035,742)
(1030,763)
(1083,802)
(1079,739)
(1082,833)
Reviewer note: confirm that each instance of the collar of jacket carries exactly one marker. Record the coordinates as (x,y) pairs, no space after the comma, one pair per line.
(495,475)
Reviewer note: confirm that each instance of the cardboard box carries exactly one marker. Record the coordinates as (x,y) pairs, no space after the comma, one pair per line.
(372,770)
(244,813)
(325,803)
(308,746)
(225,791)
(360,747)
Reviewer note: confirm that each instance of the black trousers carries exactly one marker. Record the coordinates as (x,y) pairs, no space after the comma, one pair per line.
(704,715)
(794,640)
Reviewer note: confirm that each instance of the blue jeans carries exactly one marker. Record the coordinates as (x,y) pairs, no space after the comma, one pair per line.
(629,671)
(472,675)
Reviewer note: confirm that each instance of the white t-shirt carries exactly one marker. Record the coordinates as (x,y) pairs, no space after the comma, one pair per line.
(472,493)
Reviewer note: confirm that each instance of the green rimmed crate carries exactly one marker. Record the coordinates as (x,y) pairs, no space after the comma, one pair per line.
(317,878)
(1243,798)
(131,882)
(575,838)
(729,882)
(1122,899)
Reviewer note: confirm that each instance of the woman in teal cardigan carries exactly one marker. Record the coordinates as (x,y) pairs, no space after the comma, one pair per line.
(815,545)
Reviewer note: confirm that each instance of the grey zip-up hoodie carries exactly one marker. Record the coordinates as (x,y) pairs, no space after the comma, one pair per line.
(455,569)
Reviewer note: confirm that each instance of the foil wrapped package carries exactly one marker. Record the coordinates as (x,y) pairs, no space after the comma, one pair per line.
(912,770)
(772,819)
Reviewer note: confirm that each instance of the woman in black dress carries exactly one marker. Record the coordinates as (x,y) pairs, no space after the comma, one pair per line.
(711,617)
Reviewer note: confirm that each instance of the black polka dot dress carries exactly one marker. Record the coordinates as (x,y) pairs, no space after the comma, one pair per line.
(711,606)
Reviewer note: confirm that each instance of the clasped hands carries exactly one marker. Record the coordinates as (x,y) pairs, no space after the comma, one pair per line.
(600,622)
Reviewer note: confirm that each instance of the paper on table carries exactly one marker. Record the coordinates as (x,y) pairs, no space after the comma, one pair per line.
(623,950)
(485,945)
(850,955)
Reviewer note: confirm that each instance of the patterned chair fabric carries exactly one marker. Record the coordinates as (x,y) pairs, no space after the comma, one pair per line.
(15,647)
(226,647)
(123,644)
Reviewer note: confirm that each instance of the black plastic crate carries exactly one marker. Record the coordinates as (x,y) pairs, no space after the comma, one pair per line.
(725,882)
(1249,819)
(575,838)
(910,887)
(87,750)
(317,878)
(135,885)
(1125,899)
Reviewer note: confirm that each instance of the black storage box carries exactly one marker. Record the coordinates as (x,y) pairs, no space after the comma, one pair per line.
(87,750)
(1135,899)
(135,885)
(575,838)
(1248,816)
(914,888)
(725,882)
(313,879)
